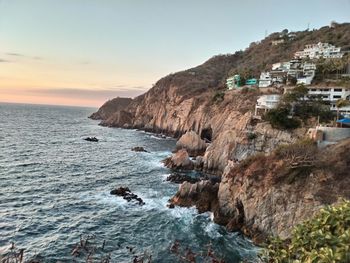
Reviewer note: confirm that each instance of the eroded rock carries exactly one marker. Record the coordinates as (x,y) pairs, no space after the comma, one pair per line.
(192,142)
(179,160)
(202,195)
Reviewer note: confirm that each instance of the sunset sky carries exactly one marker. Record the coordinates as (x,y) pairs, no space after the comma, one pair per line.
(83,52)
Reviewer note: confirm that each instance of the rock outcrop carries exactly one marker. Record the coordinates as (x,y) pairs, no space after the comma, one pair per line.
(192,143)
(179,160)
(110,107)
(127,195)
(268,195)
(202,195)
(179,178)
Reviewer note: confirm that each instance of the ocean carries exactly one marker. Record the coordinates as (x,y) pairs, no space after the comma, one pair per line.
(55,187)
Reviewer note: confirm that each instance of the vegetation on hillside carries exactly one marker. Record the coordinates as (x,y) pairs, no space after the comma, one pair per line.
(296,107)
(259,56)
(322,239)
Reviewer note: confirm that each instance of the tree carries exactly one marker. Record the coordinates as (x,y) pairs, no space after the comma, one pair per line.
(340,104)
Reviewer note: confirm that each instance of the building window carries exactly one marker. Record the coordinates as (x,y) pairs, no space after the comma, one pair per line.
(313,89)
(338,90)
(336,97)
(325,90)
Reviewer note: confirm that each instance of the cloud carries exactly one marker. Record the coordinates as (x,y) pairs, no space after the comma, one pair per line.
(4,60)
(20,55)
(15,54)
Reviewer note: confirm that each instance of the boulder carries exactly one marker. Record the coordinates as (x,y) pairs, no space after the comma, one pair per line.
(192,142)
(179,160)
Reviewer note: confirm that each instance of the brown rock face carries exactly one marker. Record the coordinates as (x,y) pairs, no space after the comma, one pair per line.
(120,119)
(192,142)
(202,195)
(263,196)
(110,107)
(179,160)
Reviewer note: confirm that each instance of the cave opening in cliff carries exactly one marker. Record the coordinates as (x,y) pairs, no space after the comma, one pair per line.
(207,134)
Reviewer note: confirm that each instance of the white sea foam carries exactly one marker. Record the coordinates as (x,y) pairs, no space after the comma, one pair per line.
(213,230)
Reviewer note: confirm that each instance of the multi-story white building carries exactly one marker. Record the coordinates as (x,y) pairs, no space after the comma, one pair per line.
(331,95)
(265,80)
(319,50)
(308,74)
(266,102)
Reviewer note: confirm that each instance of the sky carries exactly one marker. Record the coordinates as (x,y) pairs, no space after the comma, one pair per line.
(84,52)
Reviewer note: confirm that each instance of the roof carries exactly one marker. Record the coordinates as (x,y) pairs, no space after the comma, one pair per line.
(344,121)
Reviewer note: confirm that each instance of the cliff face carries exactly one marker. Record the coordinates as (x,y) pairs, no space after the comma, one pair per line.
(268,195)
(224,120)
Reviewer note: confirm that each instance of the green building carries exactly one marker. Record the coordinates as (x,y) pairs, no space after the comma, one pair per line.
(233,82)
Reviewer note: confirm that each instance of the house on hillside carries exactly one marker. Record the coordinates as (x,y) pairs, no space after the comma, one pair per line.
(331,95)
(265,80)
(319,50)
(266,103)
(308,74)
(277,42)
(233,82)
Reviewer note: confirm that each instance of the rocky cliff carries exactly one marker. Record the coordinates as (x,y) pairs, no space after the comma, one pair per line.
(224,132)
(268,195)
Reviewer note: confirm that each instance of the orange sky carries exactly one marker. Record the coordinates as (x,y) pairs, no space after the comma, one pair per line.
(85,52)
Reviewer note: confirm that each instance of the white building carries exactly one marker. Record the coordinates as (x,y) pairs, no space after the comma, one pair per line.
(332,95)
(265,80)
(319,50)
(308,74)
(267,102)
(277,42)
(284,66)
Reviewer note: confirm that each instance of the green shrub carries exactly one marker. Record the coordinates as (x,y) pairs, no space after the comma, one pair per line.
(279,119)
(324,238)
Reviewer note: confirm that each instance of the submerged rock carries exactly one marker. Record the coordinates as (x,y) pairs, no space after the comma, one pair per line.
(139,149)
(179,160)
(127,195)
(91,139)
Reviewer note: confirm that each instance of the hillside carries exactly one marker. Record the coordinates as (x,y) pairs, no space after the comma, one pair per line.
(209,77)
(195,99)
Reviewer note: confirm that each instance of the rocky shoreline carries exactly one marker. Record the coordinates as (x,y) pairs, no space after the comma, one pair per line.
(217,132)
(247,198)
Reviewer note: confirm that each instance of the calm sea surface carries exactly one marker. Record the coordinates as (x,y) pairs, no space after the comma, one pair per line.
(54,187)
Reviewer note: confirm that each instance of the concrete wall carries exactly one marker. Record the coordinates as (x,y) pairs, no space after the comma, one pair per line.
(333,134)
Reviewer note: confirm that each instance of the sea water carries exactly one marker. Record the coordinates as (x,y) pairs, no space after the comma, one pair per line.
(55,187)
